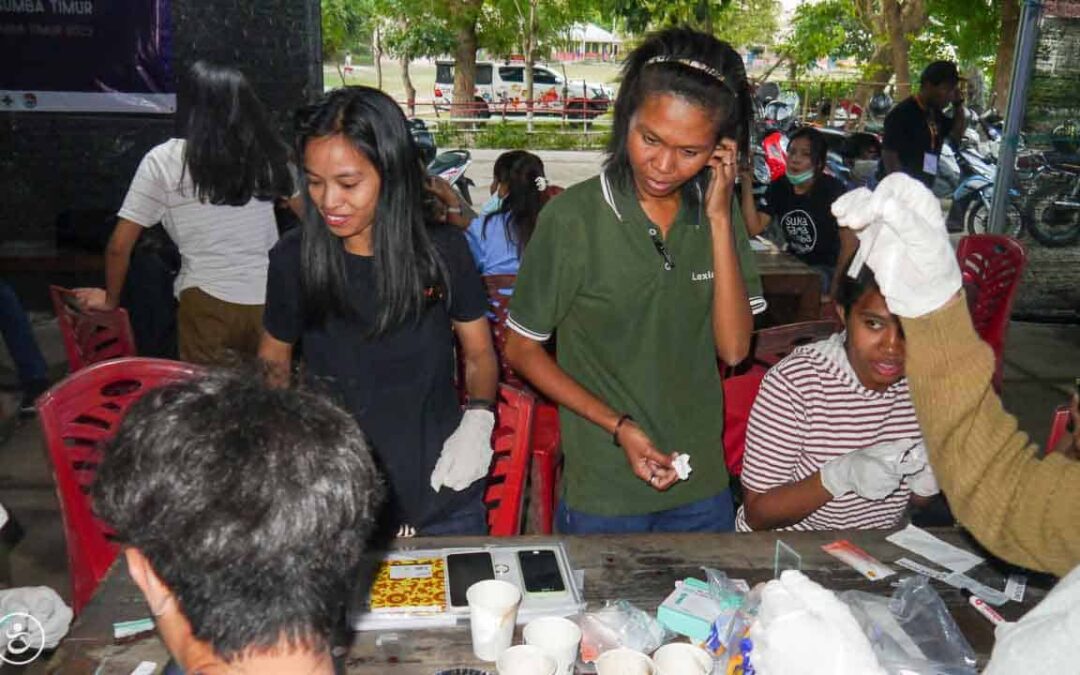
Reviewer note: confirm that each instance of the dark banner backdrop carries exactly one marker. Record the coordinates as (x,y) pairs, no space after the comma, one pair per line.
(87,56)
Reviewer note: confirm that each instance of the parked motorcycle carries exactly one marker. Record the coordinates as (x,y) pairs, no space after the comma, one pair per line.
(1053,208)
(451,167)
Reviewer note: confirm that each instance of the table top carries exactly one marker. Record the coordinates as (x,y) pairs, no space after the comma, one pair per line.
(638,568)
(779,262)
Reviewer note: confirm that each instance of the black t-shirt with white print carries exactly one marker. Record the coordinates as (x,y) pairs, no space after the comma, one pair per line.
(807,222)
(399,387)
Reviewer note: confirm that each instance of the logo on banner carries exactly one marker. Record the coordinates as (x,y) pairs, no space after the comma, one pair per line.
(22,638)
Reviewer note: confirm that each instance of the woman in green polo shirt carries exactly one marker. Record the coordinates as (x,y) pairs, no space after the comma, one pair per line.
(646,274)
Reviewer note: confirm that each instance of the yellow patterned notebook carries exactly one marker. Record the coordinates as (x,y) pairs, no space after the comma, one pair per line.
(409,586)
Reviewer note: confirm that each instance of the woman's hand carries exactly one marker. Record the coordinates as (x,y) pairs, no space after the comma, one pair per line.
(94,300)
(647,463)
(722,182)
(1069,445)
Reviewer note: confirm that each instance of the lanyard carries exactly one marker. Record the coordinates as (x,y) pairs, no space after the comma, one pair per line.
(930,125)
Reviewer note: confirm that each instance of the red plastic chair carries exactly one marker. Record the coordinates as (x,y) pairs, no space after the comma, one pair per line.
(1058,428)
(992,266)
(77,415)
(546,437)
(739,394)
(91,337)
(511,441)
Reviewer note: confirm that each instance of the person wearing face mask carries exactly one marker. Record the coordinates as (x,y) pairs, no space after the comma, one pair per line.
(800,201)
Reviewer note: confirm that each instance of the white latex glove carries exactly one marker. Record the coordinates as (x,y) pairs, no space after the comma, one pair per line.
(44,605)
(902,237)
(922,481)
(872,473)
(466,455)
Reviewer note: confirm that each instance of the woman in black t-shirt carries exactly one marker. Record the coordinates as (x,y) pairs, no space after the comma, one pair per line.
(376,298)
(801,202)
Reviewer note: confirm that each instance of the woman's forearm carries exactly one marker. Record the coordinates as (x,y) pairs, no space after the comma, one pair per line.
(535,364)
(732,320)
(785,505)
(481,376)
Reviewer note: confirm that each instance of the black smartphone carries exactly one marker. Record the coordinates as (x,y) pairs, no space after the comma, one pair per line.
(464,570)
(540,571)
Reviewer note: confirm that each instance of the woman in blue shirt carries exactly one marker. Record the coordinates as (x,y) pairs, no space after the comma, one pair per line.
(499,234)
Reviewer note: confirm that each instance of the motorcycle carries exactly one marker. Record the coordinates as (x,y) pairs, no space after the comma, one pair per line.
(450,165)
(1053,208)
(975,193)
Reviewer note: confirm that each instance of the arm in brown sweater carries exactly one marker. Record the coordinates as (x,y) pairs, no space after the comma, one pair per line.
(1023,509)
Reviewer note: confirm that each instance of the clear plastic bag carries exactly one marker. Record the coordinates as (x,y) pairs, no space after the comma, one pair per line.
(620,624)
(912,632)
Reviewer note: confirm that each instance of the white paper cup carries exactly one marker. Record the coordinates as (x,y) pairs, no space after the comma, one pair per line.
(680,658)
(557,636)
(493,607)
(526,660)
(623,661)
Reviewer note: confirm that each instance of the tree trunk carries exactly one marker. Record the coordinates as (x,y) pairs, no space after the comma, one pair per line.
(876,75)
(898,46)
(410,90)
(1010,24)
(376,55)
(465,60)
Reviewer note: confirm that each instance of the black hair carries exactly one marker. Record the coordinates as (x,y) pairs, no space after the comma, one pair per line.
(407,266)
(519,173)
(939,72)
(252,504)
(730,101)
(851,290)
(232,151)
(819,147)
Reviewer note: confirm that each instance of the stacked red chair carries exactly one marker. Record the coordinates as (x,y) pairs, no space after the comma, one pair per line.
(91,337)
(512,443)
(78,415)
(992,266)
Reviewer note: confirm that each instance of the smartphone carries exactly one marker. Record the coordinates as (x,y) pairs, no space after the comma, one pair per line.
(540,571)
(464,570)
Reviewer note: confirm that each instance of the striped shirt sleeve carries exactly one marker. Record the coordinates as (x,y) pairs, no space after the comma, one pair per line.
(773,444)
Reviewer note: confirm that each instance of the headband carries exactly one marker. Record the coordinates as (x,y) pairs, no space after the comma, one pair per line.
(691,63)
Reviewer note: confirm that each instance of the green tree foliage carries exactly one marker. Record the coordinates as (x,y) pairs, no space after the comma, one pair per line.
(827,28)
(346,24)
(414,30)
(740,22)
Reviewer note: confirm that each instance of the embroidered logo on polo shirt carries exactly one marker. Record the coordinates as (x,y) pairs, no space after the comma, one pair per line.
(701,276)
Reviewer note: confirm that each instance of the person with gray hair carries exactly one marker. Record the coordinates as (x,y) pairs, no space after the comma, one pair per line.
(244,512)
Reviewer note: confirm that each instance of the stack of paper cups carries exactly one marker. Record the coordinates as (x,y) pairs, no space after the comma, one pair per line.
(525,660)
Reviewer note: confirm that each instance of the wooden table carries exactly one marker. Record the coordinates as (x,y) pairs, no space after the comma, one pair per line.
(638,568)
(792,288)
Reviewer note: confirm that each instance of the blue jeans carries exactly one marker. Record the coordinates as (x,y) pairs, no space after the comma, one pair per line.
(713,514)
(469,520)
(19,338)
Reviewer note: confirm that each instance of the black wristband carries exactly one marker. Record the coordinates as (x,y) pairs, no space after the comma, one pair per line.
(618,425)
(480,404)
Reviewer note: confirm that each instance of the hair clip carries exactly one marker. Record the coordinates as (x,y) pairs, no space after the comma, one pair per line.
(541,183)
(690,63)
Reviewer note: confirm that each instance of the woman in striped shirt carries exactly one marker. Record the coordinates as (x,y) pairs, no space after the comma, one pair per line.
(833,431)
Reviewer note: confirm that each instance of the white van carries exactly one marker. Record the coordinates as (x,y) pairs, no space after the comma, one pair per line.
(500,88)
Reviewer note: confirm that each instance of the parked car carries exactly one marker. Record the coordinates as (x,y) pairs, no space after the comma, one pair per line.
(500,87)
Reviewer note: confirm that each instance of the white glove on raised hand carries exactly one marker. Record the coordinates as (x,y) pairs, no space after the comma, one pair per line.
(902,237)
(872,473)
(921,481)
(466,455)
(51,617)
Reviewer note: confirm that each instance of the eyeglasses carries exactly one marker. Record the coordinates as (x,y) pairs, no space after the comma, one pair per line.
(658,244)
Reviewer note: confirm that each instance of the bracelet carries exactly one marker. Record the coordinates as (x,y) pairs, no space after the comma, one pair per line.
(453,210)
(480,404)
(618,425)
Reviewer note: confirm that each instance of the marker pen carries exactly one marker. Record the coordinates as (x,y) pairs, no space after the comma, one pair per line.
(988,612)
